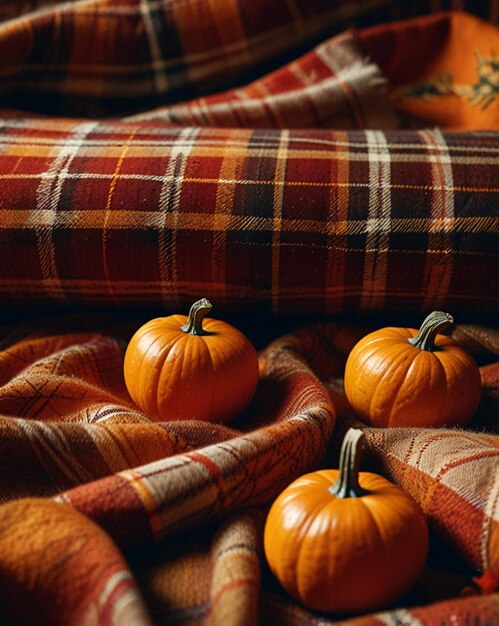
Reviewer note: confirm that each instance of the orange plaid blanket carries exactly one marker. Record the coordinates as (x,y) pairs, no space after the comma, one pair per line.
(110,518)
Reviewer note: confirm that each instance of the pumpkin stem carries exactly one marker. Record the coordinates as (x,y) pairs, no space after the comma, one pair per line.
(433,324)
(197,312)
(347,485)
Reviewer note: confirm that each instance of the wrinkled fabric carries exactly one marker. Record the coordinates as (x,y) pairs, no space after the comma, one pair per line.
(176,509)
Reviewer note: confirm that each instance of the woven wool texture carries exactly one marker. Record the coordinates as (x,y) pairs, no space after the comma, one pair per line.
(325,222)
(186,501)
(323,201)
(284,158)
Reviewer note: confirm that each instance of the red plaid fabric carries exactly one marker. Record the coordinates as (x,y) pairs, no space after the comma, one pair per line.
(282,221)
(335,85)
(95,57)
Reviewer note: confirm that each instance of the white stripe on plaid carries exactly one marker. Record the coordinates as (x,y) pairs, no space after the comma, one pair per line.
(279,176)
(169,199)
(48,197)
(439,269)
(125,606)
(378,224)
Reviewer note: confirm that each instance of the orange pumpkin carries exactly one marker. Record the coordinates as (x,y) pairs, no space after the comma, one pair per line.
(176,368)
(405,377)
(344,541)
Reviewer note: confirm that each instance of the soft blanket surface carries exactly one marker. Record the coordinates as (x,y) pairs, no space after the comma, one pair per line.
(69,434)
(294,157)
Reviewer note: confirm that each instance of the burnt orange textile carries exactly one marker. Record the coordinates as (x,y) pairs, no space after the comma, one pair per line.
(443,70)
(109,518)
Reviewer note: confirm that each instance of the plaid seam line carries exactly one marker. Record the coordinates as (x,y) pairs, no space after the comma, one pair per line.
(312,221)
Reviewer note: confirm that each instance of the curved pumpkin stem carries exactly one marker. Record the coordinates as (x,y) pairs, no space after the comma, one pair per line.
(432,325)
(347,485)
(197,312)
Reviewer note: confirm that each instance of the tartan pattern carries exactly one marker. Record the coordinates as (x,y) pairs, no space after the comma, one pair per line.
(143,51)
(333,86)
(416,463)
(281,221)
(188,485)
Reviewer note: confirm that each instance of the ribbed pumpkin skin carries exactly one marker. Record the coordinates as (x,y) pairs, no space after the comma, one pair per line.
(174,375)
(389,382)
(345,555)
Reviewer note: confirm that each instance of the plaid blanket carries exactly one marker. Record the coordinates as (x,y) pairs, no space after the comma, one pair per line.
(270,220)
(319,196)
(281,159)
(109,517)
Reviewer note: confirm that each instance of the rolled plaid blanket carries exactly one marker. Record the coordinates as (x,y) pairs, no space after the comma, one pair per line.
(279,221)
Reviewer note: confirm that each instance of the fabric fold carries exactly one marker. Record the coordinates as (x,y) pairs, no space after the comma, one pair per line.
(141,481)
(57,567)
(335,85)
